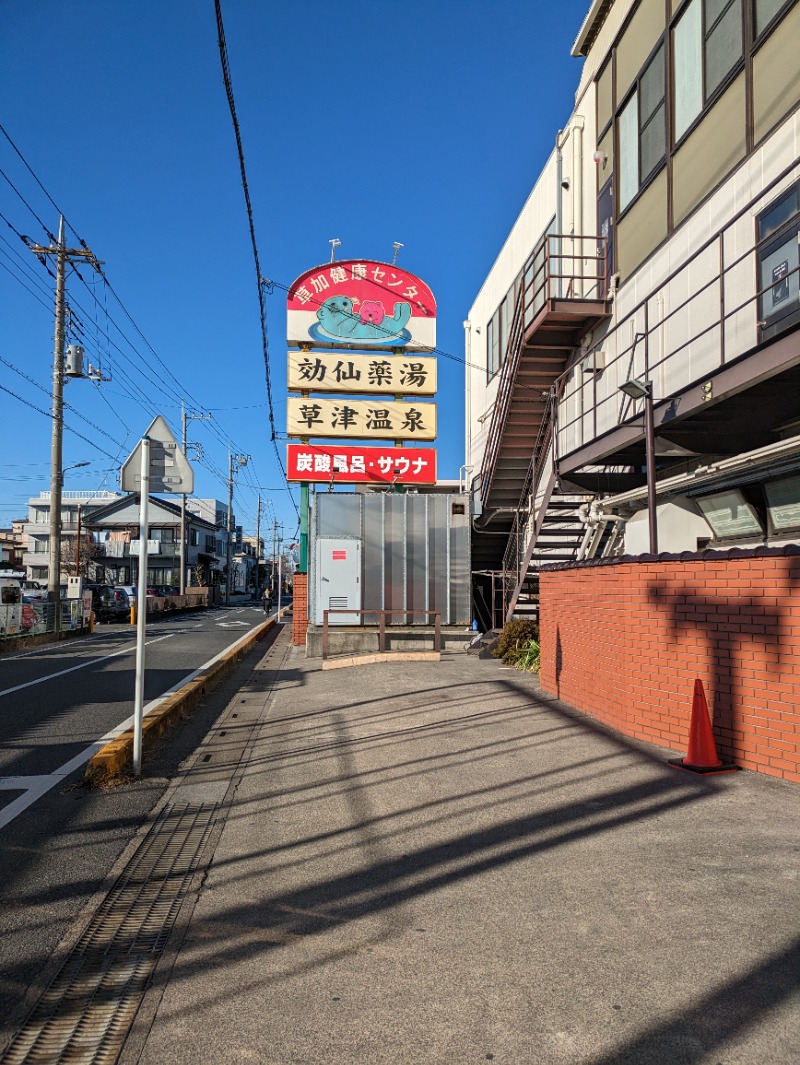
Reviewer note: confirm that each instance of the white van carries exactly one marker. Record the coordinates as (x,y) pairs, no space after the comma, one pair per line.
(10,606)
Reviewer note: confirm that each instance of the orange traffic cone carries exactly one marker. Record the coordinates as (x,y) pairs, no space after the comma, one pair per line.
(702,755)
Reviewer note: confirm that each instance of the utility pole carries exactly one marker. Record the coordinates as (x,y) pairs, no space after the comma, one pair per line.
(184,418)
(63,255)
(235,463)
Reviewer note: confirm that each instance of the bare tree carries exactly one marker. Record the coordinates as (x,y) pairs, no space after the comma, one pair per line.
(76,558)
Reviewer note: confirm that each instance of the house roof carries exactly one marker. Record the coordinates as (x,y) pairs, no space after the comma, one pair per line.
(125,511)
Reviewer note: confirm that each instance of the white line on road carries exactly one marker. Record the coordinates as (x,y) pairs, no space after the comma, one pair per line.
(81,665)
(39,785)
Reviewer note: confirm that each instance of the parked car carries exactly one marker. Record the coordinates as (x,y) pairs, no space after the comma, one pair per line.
(109,603)
(34,589)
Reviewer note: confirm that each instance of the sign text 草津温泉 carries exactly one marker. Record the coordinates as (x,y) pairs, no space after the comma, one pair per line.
(361,419)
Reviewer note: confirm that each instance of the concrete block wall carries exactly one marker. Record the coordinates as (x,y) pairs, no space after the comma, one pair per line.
(299,609)
(623,641)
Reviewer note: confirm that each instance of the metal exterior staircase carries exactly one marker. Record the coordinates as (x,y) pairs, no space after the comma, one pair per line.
(558,301)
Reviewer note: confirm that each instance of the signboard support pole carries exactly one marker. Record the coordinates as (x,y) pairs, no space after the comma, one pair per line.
(141,609)
(304,528)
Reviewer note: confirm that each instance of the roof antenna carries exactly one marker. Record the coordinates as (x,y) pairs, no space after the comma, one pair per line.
(397,246)
(335,243)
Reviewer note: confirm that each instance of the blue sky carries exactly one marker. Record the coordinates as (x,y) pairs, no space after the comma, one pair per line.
(420,122)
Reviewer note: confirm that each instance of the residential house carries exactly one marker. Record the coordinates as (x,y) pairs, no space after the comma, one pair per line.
(115,528)
(12,545)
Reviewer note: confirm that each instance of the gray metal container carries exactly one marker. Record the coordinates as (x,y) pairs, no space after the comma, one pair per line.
(390,551)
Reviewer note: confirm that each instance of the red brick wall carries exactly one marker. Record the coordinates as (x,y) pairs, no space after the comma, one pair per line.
(299,609)
(623,642)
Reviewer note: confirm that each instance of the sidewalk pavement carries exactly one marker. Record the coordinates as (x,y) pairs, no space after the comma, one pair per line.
(437,863)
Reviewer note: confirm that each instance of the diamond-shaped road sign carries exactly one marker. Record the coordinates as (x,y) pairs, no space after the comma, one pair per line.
(170,471)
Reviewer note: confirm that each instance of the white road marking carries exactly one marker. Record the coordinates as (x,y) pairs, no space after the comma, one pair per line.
(36,786)
(81,665)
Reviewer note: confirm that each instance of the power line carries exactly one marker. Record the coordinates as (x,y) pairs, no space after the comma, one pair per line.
(41,186)
(30,290)
(35,215)
(69,428)
(179,389)
(226,75)
(76,324)
(67,406)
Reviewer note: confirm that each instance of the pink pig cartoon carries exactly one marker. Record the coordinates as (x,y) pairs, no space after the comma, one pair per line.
(372,312)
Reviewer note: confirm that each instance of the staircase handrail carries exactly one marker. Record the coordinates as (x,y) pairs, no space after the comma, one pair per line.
(505,387)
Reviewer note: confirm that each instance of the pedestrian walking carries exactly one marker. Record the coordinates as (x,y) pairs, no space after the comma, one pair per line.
(266,600)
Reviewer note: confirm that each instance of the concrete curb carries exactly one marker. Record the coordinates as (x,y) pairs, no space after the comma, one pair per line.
(381,656)
(115,759)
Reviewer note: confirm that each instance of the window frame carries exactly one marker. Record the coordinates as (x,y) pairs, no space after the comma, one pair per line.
(773,531)
(770,25)
(707,101)
(787,231)
(635,90)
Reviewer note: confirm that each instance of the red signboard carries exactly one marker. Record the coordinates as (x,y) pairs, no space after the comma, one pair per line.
(339,556)
(359,465)
(361,304)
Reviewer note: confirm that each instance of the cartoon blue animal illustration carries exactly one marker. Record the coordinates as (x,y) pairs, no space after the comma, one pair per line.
(338,318)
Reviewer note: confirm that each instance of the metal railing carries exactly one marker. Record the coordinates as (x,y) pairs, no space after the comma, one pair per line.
(435,614)
(526,508)
(667,344)
(543,280)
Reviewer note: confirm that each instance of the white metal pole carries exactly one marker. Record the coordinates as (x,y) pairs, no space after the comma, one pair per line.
(280,579)
(141,609)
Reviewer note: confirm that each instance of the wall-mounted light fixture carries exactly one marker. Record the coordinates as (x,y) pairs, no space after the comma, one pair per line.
(639,388)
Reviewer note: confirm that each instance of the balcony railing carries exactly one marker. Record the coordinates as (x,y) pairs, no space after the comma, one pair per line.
(561,268)
(704,314)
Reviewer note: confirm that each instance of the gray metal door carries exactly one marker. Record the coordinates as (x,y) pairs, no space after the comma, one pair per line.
(338,580)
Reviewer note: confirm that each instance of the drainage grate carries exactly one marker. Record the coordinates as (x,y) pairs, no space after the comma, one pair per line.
(85,1014)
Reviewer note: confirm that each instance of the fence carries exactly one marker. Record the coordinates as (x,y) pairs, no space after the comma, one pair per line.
(38,616)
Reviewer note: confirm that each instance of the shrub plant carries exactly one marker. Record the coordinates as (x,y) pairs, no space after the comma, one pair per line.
(515,640)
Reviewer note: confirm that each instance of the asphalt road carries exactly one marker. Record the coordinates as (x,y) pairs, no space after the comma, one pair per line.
(58,840)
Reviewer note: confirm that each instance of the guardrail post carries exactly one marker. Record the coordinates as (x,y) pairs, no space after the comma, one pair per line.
(382,632)
(437,631)
(324,635)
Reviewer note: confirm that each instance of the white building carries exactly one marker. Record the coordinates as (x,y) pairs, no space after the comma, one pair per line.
(658,249)
(36,531)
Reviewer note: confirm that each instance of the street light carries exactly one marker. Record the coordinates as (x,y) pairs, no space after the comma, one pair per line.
(638,388)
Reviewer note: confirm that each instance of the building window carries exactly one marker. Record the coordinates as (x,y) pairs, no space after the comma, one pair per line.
(641,130)
(777,233)
(783,503)
(707,43)
(194,538)
(42,515)
(492,348)
(730,515)
(766,10)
